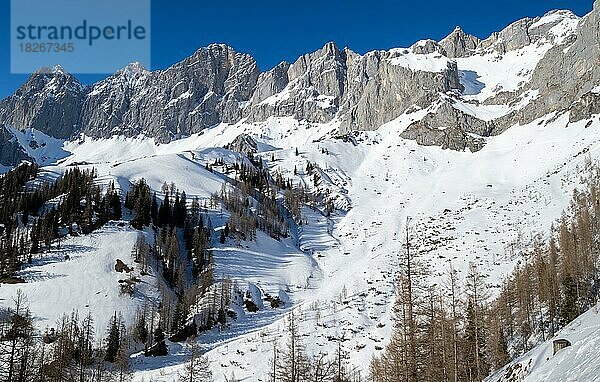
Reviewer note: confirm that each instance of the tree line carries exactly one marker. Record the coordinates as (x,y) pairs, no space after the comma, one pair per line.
(70,351)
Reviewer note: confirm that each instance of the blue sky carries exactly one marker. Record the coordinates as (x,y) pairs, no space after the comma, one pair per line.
(273,31)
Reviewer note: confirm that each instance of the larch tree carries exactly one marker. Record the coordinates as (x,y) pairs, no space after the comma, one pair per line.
(197,368)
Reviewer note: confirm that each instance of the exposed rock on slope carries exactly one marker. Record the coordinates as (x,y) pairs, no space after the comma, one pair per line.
(449,128)
(10,151)
(244,144)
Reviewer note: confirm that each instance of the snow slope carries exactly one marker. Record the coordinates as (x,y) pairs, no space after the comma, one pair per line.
(81,276)
(480,207)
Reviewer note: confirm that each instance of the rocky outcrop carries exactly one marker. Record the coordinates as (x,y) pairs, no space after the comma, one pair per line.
(585,107)
(244,144)
(449,128)
(11,153)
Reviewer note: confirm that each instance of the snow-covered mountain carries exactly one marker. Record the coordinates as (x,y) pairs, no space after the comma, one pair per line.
(479,143)
(471,88)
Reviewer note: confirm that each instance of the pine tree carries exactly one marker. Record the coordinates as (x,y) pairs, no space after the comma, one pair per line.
(293,364)
(164,212)
(16,332)
(141,329)
(123,367)
(568,308)
(113,342)
(159,348)
(154,209)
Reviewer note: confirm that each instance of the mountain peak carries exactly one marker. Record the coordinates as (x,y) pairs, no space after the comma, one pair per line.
(457,31)
(214,48)
(136,66)
(561,12)
(134,69)
(219,47)
(330,47)
(129,75)
(459,44)
(426,47)
(55,70)
(554,17)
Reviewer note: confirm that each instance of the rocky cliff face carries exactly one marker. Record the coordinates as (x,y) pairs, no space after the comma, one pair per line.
(10,151)
(552,61)
(363,91)
(49,101)
(529,45)
(205,89)
(310,88)
(383,85)
(568,76)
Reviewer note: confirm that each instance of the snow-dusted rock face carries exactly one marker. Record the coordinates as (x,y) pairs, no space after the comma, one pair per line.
(450,128)
(310,88)
(568,71)
(49,101)
(244,144)
(363,91)
(10,150)
(205,89)
(383,85)
(471,88)
(529,31)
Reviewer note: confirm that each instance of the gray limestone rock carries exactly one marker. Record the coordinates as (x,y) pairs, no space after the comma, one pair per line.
(449,128)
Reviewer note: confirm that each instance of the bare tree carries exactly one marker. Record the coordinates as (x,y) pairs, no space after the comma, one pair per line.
(197,368)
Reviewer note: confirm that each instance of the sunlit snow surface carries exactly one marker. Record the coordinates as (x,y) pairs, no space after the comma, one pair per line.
(466,207)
